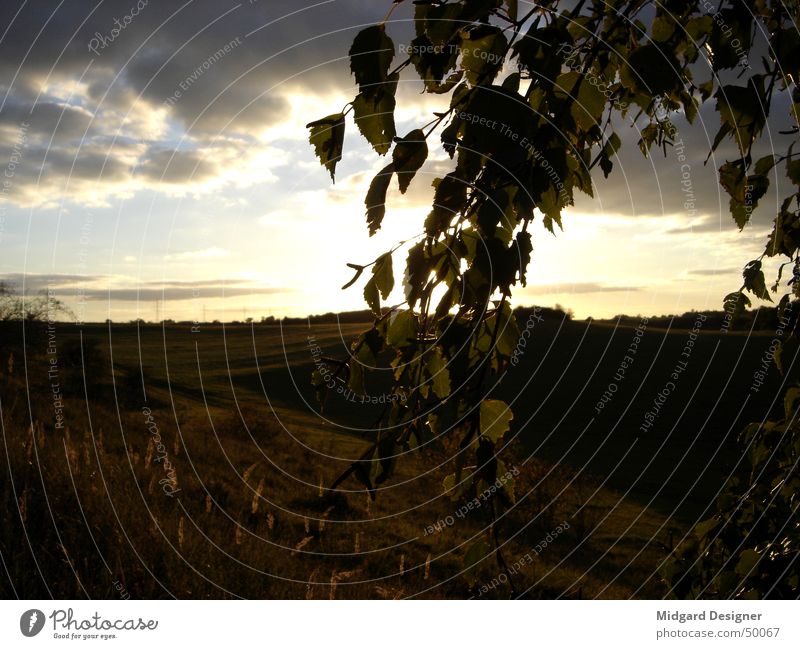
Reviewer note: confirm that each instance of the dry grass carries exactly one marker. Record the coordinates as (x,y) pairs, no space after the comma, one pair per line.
(85,508)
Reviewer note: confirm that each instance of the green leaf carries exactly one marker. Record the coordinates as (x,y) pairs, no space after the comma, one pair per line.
(587,109)
(374,116)
(495,419)
(376,198)
(371,55)
(327,138)
(482,54)
(383,275)
(372,296)
(408,156)
(402,330)
(508,333)
(550,205)
(663,28)
(436,366)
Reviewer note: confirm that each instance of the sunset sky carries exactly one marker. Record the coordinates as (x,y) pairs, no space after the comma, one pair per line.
(214,204)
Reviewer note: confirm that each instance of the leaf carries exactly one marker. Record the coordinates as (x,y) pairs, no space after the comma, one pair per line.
(748,560)
(416,274)
(754,280)
(550,206)
(741,111)
(495,419)
(402,330)
(355,379)
(793,171)
(764,165)
(436,366)
(731,177)
(376,198)
(652,69)
(703,529)
(408,156)
(449,198)
(374,116)
(482,54)
(476,553)
(508,333)
(663,28)
(587,108)
(383,275)
(327,138)
(432,62)
(735,304)
(540,52)
(524,250)
(371,55)
(372,296)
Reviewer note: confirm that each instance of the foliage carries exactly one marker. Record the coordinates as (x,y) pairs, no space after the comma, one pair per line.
(749,548)
(534,100)
(40,307)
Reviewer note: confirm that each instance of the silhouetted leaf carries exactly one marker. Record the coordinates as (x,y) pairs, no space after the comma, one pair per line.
(374,115)
(371,55)
(376,198)
(495,419)
(408,156)
(327,138)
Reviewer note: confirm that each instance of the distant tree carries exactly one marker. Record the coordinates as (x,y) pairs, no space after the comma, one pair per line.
(521,148)
(42,306)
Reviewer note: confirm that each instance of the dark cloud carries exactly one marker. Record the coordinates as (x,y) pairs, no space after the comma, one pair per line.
(69,286)
(177,166)
(80,74)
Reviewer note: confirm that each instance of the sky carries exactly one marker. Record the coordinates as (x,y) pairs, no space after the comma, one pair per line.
(146,177)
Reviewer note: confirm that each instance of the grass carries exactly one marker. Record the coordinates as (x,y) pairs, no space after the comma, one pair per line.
(86,511)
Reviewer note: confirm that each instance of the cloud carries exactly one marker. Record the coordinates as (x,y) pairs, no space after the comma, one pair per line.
(714,271)
(100,125)
(207,253)
(119,288)
(578,287)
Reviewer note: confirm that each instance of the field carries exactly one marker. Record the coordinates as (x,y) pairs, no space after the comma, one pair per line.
(151,461)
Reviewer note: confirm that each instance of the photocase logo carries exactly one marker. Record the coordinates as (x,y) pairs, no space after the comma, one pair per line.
(31,622)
